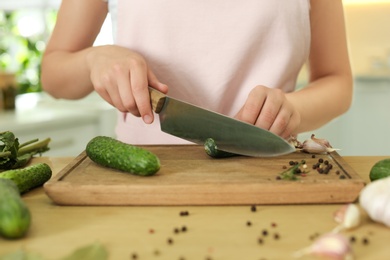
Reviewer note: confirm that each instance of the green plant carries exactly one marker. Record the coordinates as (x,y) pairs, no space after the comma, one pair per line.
(22,55)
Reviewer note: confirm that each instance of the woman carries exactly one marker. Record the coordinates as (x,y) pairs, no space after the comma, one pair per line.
(238,58)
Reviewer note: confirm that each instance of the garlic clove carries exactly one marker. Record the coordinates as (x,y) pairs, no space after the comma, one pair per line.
(331,245)
(317,146)
(348,216)
(324,142)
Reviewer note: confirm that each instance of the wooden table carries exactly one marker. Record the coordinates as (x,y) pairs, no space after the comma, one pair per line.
(211,232)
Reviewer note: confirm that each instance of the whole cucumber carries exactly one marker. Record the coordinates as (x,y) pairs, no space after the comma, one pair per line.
(109,152)
(380,170)
(29,177)
(15,217)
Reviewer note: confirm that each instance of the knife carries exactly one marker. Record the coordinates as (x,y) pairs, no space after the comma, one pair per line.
(196,124)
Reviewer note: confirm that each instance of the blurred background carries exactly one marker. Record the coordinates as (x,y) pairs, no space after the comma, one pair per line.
(25,26)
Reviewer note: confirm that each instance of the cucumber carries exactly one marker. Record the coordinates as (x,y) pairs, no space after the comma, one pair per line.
(211,149)
(380,170)
(111,153)
(15,217)
(29,177)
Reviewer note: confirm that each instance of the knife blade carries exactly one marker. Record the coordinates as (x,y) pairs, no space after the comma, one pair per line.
(196,124)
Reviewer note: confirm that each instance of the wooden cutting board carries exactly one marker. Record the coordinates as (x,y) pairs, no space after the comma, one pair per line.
(188,176)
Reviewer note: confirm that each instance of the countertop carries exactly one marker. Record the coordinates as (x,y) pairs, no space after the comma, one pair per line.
(40,111)
(223,232)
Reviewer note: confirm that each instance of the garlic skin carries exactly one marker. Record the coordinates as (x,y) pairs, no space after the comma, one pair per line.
(375,200)
(348,217)
(331,245)
(317,146)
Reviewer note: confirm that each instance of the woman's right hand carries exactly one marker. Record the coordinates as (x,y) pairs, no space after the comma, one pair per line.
(121,77)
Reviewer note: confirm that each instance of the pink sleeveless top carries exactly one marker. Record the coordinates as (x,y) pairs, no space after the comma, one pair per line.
(211,53)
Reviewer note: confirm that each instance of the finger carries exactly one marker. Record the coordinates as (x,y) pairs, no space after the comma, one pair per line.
(107,90)
(281,121)
(252,107)
(125,91)
(292,125)
(139,87)
(269,111)
(155,83)
(103,93)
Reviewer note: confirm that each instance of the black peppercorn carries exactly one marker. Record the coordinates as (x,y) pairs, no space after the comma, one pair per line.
(365,241)
(253,208)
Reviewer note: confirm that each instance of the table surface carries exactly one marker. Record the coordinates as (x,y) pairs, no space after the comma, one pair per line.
(211,232)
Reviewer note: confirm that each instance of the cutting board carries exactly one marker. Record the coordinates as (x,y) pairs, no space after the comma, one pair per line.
(188,176)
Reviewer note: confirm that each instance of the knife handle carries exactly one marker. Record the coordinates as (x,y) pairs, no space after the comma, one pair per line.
(157,99)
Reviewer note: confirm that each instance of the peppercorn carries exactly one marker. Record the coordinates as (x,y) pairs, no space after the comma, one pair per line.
(248,223)
(365,241)
(253,208)
(264,232)
(313,156)
(342,177)
(320,160)
(276,236)
(260,241)
(183,228)
(352,239)
(170,241)
(291,163)
(134,256)
(176,230)
(184,213)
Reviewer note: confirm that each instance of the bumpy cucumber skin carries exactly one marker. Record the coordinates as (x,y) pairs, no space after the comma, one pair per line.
(211,149)
(29,177)
(15,217)
(111,153)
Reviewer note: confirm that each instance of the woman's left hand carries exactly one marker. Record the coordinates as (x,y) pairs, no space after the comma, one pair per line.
(270,109)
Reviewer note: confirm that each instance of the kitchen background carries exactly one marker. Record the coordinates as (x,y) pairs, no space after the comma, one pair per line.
(25,25)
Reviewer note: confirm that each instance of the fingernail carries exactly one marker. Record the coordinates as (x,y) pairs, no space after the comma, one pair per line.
(148,119)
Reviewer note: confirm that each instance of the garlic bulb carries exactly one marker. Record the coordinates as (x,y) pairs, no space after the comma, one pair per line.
(375,200)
